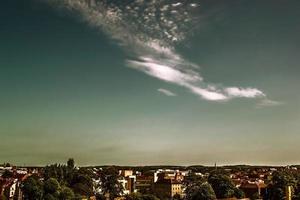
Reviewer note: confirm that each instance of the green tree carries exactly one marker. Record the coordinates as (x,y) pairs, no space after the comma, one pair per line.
(66,193)
(71,163)
(149,197)
(54,171)
(52,186)
(63,173)
(32,188)
(139,196)
(50,197)
(7,174)
(3,197)
(280,180)
(222,185)
(82,182)
(255,196)
(134,196)
(200,191)
(192,178)
(238,193)
(109,182)
(177,197)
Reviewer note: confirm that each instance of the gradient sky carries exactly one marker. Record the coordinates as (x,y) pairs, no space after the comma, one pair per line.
(223,86)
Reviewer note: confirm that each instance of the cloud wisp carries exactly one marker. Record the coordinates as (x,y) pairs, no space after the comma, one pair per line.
(150,30)
(267,103)
(166,92)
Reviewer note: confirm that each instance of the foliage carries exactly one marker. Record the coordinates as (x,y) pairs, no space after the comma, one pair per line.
(7,174)
(238,193)
(200,191)
(149,197)
(255,196)
(109,182)
(66,193)
(52,186)
(3,197)
(59,172)
(71,163)
(50,197)
(51,190)
(32,188)
(223,186)
(138,196)
(280,180)
(192,178)
(177,197)
(80,180)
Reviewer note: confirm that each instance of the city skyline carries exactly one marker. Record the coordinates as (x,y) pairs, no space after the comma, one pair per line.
(147,82)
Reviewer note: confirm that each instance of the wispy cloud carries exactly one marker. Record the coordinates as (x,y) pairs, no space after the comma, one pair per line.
(166,92)
(267,103)
(244,92)
(208,94)
(150,30)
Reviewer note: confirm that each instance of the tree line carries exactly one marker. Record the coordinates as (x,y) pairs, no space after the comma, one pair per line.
(66,182)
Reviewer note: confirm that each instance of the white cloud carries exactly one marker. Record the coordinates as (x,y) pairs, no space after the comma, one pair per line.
(267,103)
(166,92)
(150,35)
(208,94)
(244,92)
(162,71)
(188,80)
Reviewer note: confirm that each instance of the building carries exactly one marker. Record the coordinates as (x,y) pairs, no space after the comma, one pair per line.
(128,181)
(168,188)
(144,184)
(126,173)
(168,174)
(254,188)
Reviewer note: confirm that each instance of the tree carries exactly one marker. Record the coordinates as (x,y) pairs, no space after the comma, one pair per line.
(296,175)
(109,182)
(200,191)
(177,197)
(32,188)
(280,180)
(238,193)
(82,182)
(138,196)
(63,173)
(3,197)
(50,197)
(66,194)
(71,163)
(149,197)
(255,196)
(54,171)
(222,185)
(7,165)
(7,174)
(52,186)
(192,178)
(134,196)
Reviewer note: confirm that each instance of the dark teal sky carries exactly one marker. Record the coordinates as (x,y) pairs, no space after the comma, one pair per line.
(67,89)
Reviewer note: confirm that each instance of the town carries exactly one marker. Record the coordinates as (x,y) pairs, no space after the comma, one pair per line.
(68,181)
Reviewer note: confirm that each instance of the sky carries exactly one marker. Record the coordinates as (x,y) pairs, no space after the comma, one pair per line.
(138,82)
